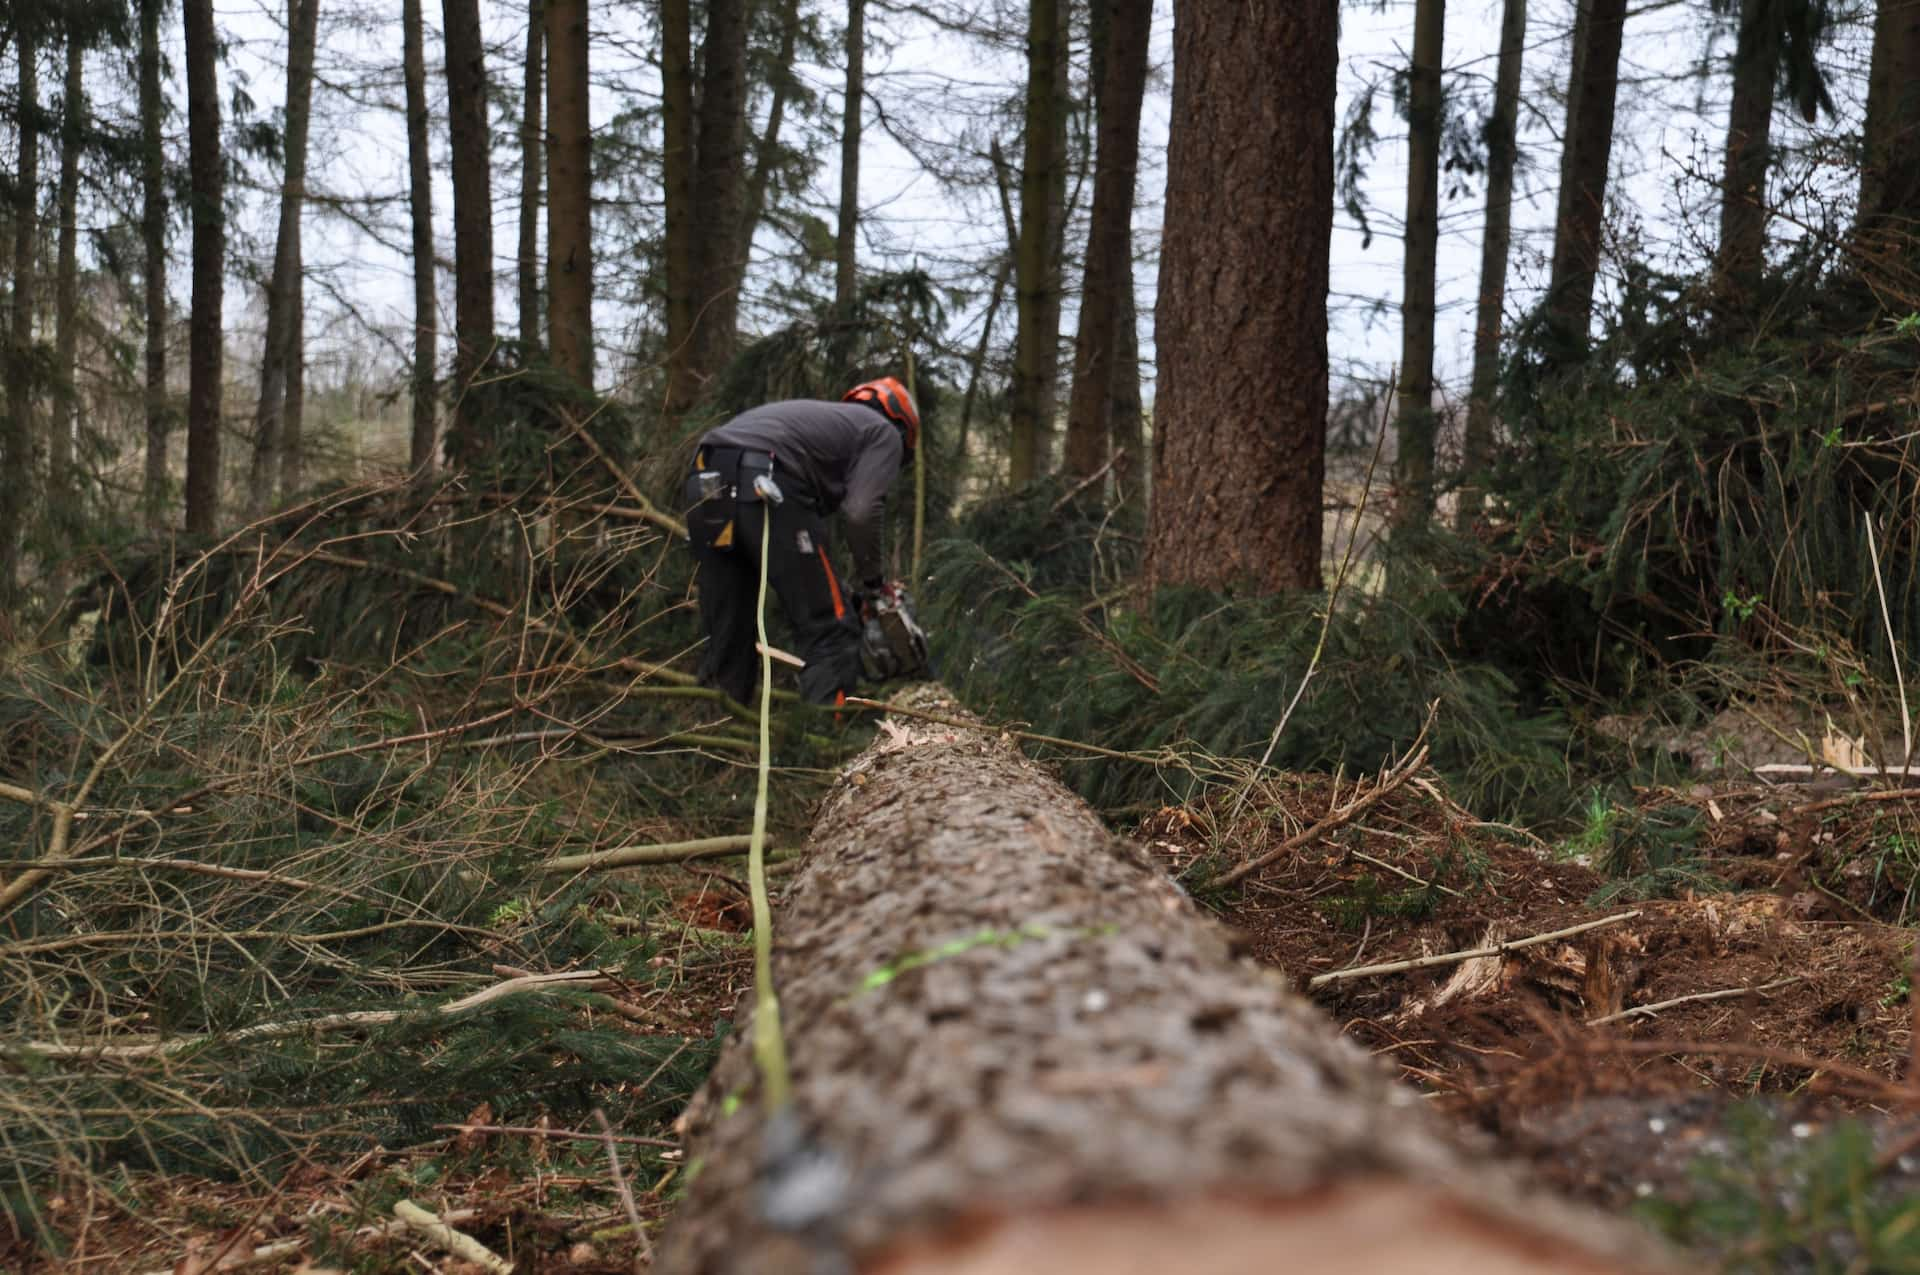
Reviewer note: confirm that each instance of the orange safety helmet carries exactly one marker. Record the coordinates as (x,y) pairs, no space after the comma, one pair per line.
(891,400)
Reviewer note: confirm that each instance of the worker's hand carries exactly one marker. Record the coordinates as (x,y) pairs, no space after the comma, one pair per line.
(879,595)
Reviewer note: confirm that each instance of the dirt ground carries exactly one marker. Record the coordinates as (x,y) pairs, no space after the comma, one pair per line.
(1776,917)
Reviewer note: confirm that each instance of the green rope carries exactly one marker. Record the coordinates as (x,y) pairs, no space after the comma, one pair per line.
(769,1044)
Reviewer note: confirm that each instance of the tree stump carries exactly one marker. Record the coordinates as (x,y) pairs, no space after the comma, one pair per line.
(1017,1047)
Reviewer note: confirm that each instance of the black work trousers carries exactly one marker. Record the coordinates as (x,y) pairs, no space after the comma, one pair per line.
(826,634)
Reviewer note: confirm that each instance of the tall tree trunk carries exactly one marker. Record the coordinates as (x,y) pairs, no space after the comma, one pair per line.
(293,414)
(676,179)
(1054,292)
(426,312)
(719,186)
(153,236)
(1017,1047)
(569,192)
(767,152)
(470,136)
(303,21)
(1477,448)
(16,432)
(1414,419)
(1128,429)
(1240,421)
(1036,347)
(531,139)
(845,245)
(1890,161)
(205,334)
(1594,79)
(1121,28)
(1743,194)
(66,309)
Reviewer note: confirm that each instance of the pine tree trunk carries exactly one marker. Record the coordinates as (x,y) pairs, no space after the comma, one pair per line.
(1890,167)
(719,186)
(1595,77)
(1017,1047)
(676,180)
(531,140)
(471,138)
(767,153)
(153,237)
(1414,419)
(293,414)
(426,310)
(1477,447)
(16,431)
(1241,409)
(1743,193)
(1054,290)
(845,243)
(1128,432)
(66,290)
(569,192)
(1121,31)
(303,23)
(1036,347)
(205,334)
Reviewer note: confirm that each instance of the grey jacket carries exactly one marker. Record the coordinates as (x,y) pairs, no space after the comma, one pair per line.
(847,454)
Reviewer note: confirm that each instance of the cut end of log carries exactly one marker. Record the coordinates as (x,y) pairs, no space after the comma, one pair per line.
(1375,1227)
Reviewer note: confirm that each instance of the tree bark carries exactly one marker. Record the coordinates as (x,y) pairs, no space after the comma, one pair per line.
(1036,347)
(426,311)
(303,21)
(845,243)
(531,139)
(1477,447)
(153,237)
(470,137)
(569,192)
(1414,418)
(293,414)
(1591,88)
(719,186)
(16,431)
(66,292)
(1121,30)
(1890,165)
(1241,409)
(676,179)
(1128,431)
(1743,192)
(205,334)
(1016,1046)
(767,152)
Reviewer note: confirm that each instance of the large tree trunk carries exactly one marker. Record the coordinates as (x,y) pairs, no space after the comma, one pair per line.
(153,237)
(531,138)
(1477,446)
(1591,87)
(293,413)
(1036,345)
(1414,420)
(845,243)
(205,334)
(676,183)
(1016,1046)
(303,23)
(767,152)
(471,139)
(16,431)
(66,285)
(569,193)
(426,312)
(1128,432)
(1241,410)
(719,187)
(1121,28)
(1743,194)
(1890,163)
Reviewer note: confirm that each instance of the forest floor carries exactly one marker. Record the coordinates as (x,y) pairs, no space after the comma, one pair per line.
(1766,940)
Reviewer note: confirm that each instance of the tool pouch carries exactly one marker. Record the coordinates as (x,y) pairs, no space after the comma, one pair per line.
(756,477)
(708,497)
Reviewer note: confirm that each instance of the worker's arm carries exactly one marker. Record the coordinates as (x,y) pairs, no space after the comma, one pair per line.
(865,505)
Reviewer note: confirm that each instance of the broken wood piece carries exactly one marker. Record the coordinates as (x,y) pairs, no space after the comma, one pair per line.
(1726,994)
(638,856)
(1016,1046)
(774,652)
(462,1246)
(1454,958)
(280,1249)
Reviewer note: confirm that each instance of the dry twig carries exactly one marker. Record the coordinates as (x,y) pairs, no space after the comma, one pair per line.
(1725,994)
(464,1247)
(1470,954)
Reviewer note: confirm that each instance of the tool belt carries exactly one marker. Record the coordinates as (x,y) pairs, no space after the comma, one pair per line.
(721,480)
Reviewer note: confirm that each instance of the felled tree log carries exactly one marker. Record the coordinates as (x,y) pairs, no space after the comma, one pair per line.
(1017,1047)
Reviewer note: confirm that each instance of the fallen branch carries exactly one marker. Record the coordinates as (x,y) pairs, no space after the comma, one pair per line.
(1387,781)
(573,1135)
(636,856)
(1725,994)
(464,1247)
(1455,958)
(646,508)
(620,1185)
(1854,798)
(1422,882)
(287,1248)
(293,1027)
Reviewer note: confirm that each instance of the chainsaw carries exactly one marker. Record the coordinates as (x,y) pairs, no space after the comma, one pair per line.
(892,643)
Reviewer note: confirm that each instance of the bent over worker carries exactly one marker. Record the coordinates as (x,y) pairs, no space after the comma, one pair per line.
(793,464)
